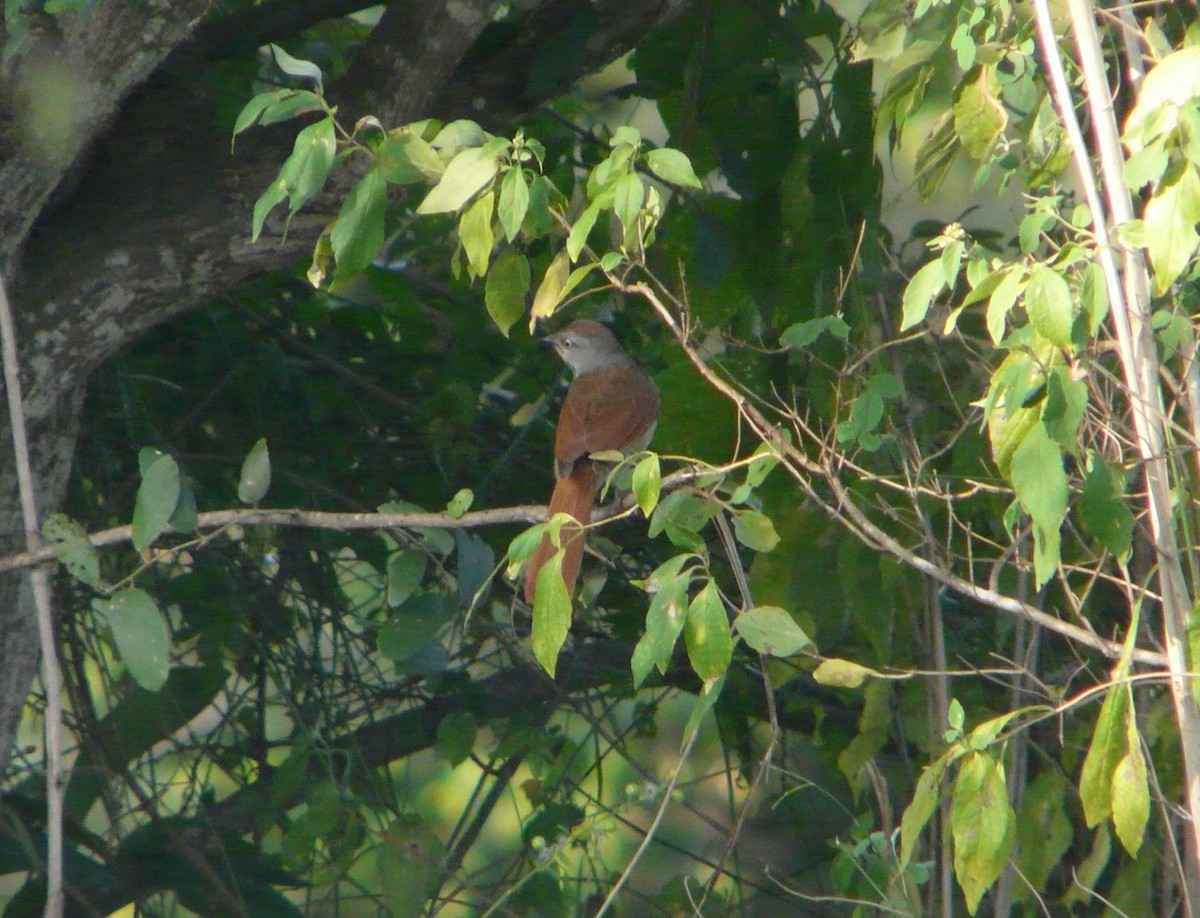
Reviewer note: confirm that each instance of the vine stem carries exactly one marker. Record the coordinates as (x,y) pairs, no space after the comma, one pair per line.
(1129,294)
(39,580)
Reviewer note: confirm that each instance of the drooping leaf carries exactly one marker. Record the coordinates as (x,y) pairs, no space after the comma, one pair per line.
(256,474)
(157,497)
(140,632)
(983,825)
(475,232)
(506,288)
(514,202)
(1130,790)
(305,171)
(1040,484)
(1107,748)
(550,290)
(405,571)
(1044,832)
(1048,303)
(1170,221)
(927,283)
(357,236)
(1103,509)
(647,480)
(551,613)
(294,66)
(707,635)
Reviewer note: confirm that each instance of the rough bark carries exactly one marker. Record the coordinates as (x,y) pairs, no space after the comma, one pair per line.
(155,221)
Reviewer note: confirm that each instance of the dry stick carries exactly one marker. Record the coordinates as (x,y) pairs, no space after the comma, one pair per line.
(39,580)
(1128,292)
(844,508)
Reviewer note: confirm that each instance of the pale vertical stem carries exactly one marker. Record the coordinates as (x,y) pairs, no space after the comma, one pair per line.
(40,583)
(1129,296)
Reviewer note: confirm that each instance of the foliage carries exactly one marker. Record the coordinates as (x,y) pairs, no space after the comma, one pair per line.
(860,504)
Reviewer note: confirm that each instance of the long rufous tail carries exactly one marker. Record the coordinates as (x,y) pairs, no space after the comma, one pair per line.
(575,495)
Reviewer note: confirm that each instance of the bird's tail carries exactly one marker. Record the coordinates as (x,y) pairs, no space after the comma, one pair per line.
(573,495)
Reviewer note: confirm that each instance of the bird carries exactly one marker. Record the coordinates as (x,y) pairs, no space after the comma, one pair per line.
(611,404)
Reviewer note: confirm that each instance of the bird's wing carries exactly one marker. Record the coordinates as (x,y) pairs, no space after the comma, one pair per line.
(611,408)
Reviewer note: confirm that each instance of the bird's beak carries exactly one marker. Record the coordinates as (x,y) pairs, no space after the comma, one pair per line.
(549,341)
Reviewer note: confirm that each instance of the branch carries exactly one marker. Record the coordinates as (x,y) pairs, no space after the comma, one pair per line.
(349,522)
(844,508)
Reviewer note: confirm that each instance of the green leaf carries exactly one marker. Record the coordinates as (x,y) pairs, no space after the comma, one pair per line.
(1048,303)
(666,617)
(357,235)
(1066,402)
(842,673)
(1170,221)
(551,613)
(924,286)
(1103,509)
(1044,831)
(772,631)
(140,633)
(647,480)
(413,625)
(274,106)
(305,171)
(467,173)
(979,116)
(802,334)
(628,195)
(475,233)
(550,290)
(460,503)
(1107,749)
(506,287)
(456,737)
(1130,790)
(577,238)
(276,192)
(294,66)
(69,540)
(924,802)
(672,166)
(157,497)
(514,202)
(256,474)
(755,530)
(983,825)
(1041,485)
(405,159)
(1000,303)
(405,571)
(408,865)
(707,636)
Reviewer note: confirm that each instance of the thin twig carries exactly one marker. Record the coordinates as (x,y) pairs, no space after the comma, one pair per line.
(39,579)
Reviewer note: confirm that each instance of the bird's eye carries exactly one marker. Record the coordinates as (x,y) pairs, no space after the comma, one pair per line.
(568,343)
